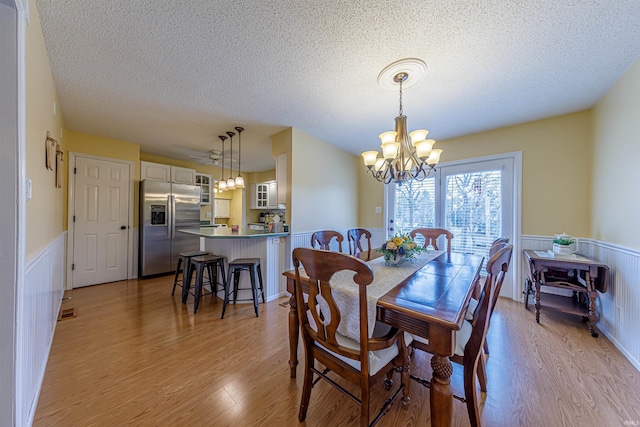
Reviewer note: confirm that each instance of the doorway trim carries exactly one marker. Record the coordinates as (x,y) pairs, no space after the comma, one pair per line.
(131,232)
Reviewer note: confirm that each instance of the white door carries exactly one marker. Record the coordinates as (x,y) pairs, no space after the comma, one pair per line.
(101,221)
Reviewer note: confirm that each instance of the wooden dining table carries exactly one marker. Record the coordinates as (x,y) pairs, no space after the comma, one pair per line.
(431,302)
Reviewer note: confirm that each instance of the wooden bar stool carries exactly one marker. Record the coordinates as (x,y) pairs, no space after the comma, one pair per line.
(252,265)
(184,258)
(210,263)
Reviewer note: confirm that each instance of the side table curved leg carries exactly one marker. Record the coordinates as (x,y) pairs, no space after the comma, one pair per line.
(592,313)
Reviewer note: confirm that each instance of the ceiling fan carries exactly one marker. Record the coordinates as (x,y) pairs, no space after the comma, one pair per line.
(213,157)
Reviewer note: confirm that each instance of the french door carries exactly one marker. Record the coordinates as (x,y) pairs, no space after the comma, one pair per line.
(475,200)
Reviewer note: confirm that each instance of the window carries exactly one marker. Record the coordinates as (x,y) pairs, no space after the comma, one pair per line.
(473,199)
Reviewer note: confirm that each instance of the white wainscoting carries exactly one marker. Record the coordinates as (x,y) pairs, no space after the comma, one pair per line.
(619,307)
(38,305)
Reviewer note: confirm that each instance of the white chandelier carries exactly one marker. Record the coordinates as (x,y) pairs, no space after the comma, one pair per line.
(400,159)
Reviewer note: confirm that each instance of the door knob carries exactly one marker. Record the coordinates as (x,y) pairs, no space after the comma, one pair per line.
(124,227)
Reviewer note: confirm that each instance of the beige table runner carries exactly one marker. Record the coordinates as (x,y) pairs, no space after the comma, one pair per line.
(385,278)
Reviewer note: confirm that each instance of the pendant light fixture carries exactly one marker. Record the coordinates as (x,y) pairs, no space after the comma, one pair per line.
(239,178)
(231,183)
(222,184)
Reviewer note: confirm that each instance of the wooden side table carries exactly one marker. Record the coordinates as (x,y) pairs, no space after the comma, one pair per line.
(579,274)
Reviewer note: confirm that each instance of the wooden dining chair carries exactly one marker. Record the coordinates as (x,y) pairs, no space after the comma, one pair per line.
(431,237)
(471,336)
(357,362)
(497,244)
(323,239)
(355,237)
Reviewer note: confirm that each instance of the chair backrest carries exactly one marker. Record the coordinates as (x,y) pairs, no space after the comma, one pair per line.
(497,268)
(495,247)
(500,240)
(319,266)
(354,237)
(431,235)
(323,239)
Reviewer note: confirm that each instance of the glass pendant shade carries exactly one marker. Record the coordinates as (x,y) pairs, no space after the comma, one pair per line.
(434,157)
(370,157)
(231,184)
(239,182)
(423,148)
(418,135)
(222,185)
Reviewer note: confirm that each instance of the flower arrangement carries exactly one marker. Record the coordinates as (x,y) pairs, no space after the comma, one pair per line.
(401,246)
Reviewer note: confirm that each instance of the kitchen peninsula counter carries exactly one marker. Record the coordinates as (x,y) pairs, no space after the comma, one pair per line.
(226,233)
(271,248)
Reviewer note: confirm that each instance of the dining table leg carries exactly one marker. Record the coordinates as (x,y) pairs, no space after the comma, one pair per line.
(294,329)
(441,394)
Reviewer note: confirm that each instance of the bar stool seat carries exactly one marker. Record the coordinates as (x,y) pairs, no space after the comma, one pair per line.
(184,258)
(199,264)
(252,265)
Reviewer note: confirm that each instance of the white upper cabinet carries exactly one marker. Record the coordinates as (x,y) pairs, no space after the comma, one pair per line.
(183,175)
(166,173)
(155,172)
(259,196)
(273,195)
(203,180)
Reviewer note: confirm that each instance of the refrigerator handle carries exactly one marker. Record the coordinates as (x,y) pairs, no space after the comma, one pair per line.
(169,216)
(173,217)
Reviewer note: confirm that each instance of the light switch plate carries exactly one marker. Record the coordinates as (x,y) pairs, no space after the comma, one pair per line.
(378,209)
(28,189)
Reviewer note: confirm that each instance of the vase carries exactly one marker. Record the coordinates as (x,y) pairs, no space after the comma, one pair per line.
(394,261)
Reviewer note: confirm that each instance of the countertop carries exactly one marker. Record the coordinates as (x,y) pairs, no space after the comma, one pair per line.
(226,233)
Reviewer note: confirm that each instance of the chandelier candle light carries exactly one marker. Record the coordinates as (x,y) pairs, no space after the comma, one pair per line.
(400,159)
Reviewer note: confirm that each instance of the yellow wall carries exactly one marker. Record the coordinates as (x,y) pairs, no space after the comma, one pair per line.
(616,174)
(83,143)
(235,210)
(324,193)
(370,196)
(44,213)
(556,176)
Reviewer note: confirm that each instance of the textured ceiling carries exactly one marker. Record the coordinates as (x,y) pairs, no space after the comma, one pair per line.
(167,74)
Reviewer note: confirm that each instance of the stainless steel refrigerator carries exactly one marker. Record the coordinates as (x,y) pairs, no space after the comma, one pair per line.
(164,209)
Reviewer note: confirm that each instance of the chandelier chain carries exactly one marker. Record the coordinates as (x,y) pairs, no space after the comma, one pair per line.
(401,80)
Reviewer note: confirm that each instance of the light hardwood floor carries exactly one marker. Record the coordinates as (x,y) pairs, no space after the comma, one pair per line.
(134,355)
